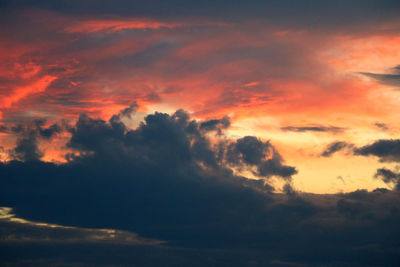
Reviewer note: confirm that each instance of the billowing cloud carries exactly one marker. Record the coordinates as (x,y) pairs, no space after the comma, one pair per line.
(161,133)
(253,152)
(169,180)
(286,73)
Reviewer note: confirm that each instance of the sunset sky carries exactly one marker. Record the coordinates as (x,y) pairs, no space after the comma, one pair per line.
(314,86)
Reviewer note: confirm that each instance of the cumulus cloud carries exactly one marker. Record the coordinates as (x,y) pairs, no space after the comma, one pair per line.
(251,151)
(169,180)
(174,140)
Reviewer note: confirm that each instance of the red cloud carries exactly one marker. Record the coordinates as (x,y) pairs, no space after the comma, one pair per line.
(110,26)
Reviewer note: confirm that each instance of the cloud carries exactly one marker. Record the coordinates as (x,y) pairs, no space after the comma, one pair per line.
(250,151)
(387,150)
(97,73)
(27,147)
(112,26)
(382,126)
(389,177)
(389,79)
(335,147)
(18,230)
(169,180)
(216,124)
(165,173)
(331,16)
(129,111)
(23,91)
(313,128)
(161,133)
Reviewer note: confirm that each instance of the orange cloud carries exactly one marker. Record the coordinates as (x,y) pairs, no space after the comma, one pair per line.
(110,26)
(21,92)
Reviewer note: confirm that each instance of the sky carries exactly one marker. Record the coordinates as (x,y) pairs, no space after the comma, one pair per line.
(200,132)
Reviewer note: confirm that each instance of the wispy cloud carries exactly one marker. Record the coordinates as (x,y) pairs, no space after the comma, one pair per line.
(313,128)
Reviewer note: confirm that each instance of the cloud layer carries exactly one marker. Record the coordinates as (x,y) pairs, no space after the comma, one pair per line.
(173,180)
(301,81)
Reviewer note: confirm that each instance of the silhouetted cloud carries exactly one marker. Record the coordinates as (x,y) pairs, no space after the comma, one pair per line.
(27,148)
(251,151)
(313,128)
(335,147)
(167,180)
(129,111)
(387,150)
(212,125)
(382,126)
(389,79)
(389,177)
(17,230)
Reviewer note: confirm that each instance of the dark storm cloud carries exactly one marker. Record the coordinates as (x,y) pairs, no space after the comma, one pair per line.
(387,150)
(165,173)
(318,128)
(179,134)
(167,180)
(335,147)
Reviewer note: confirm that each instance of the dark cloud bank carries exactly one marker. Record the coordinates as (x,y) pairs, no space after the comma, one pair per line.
(171,179)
